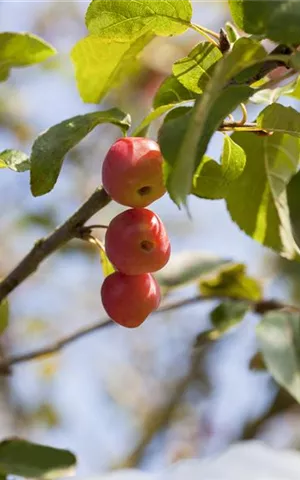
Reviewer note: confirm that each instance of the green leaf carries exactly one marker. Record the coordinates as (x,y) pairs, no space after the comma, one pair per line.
(231,281)
(187,267)
(194,71)
(50,148)
(257,200)
(293,196)
(26,459)
(278,20)
(279,340)
(212,180)
(228,314)
(210,109)
(126,20)
(107,267)
(171,91)
(179,170)
(101,65)
(21,50)
(277,118)
(15,160)
(4,316)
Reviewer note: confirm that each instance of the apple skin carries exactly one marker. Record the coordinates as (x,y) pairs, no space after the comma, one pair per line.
(132,172)
(129,299)
(136,242)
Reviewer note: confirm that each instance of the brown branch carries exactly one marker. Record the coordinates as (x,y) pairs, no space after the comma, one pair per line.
(45,246)
(259,307)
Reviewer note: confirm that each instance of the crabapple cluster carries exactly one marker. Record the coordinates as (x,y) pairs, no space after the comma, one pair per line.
(136,241)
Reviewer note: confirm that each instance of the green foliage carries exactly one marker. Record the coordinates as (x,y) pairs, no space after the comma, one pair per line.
(4,316)
(194,71)
(278,20)
(231,281)
(170,92)
(175,132)
(101,65)
(193,132)
(26,459)
(50,148)
(212,180)
(278,118)
(121,21)
(187,267)
(15,160)
(21,50)
(279,341)
(257,200)
(228,314)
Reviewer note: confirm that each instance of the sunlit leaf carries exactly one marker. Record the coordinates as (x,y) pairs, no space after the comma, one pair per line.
(195,70)
(278,118)
(15,160)
(212,180)
(21,50)
(171,91)
(101,65)
(126,20)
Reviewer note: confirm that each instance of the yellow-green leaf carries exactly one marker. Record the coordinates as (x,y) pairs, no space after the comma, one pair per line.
(101,65)
(231,281)
(107,267)
(126,20)
(21,50)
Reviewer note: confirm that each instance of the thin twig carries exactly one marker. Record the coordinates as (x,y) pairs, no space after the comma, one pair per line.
(45,246)
(259,307)
(237,126)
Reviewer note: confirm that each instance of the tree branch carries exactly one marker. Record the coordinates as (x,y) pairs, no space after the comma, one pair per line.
(45,246)
(259,307)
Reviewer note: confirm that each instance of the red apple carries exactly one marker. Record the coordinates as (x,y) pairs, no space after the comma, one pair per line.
(136,242)
(132,172)
(129,299)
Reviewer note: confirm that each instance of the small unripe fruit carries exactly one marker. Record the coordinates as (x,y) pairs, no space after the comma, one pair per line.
(128,300)
(136,242)
(132,172)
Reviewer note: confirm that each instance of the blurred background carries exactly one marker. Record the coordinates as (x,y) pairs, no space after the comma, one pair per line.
(120,397)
